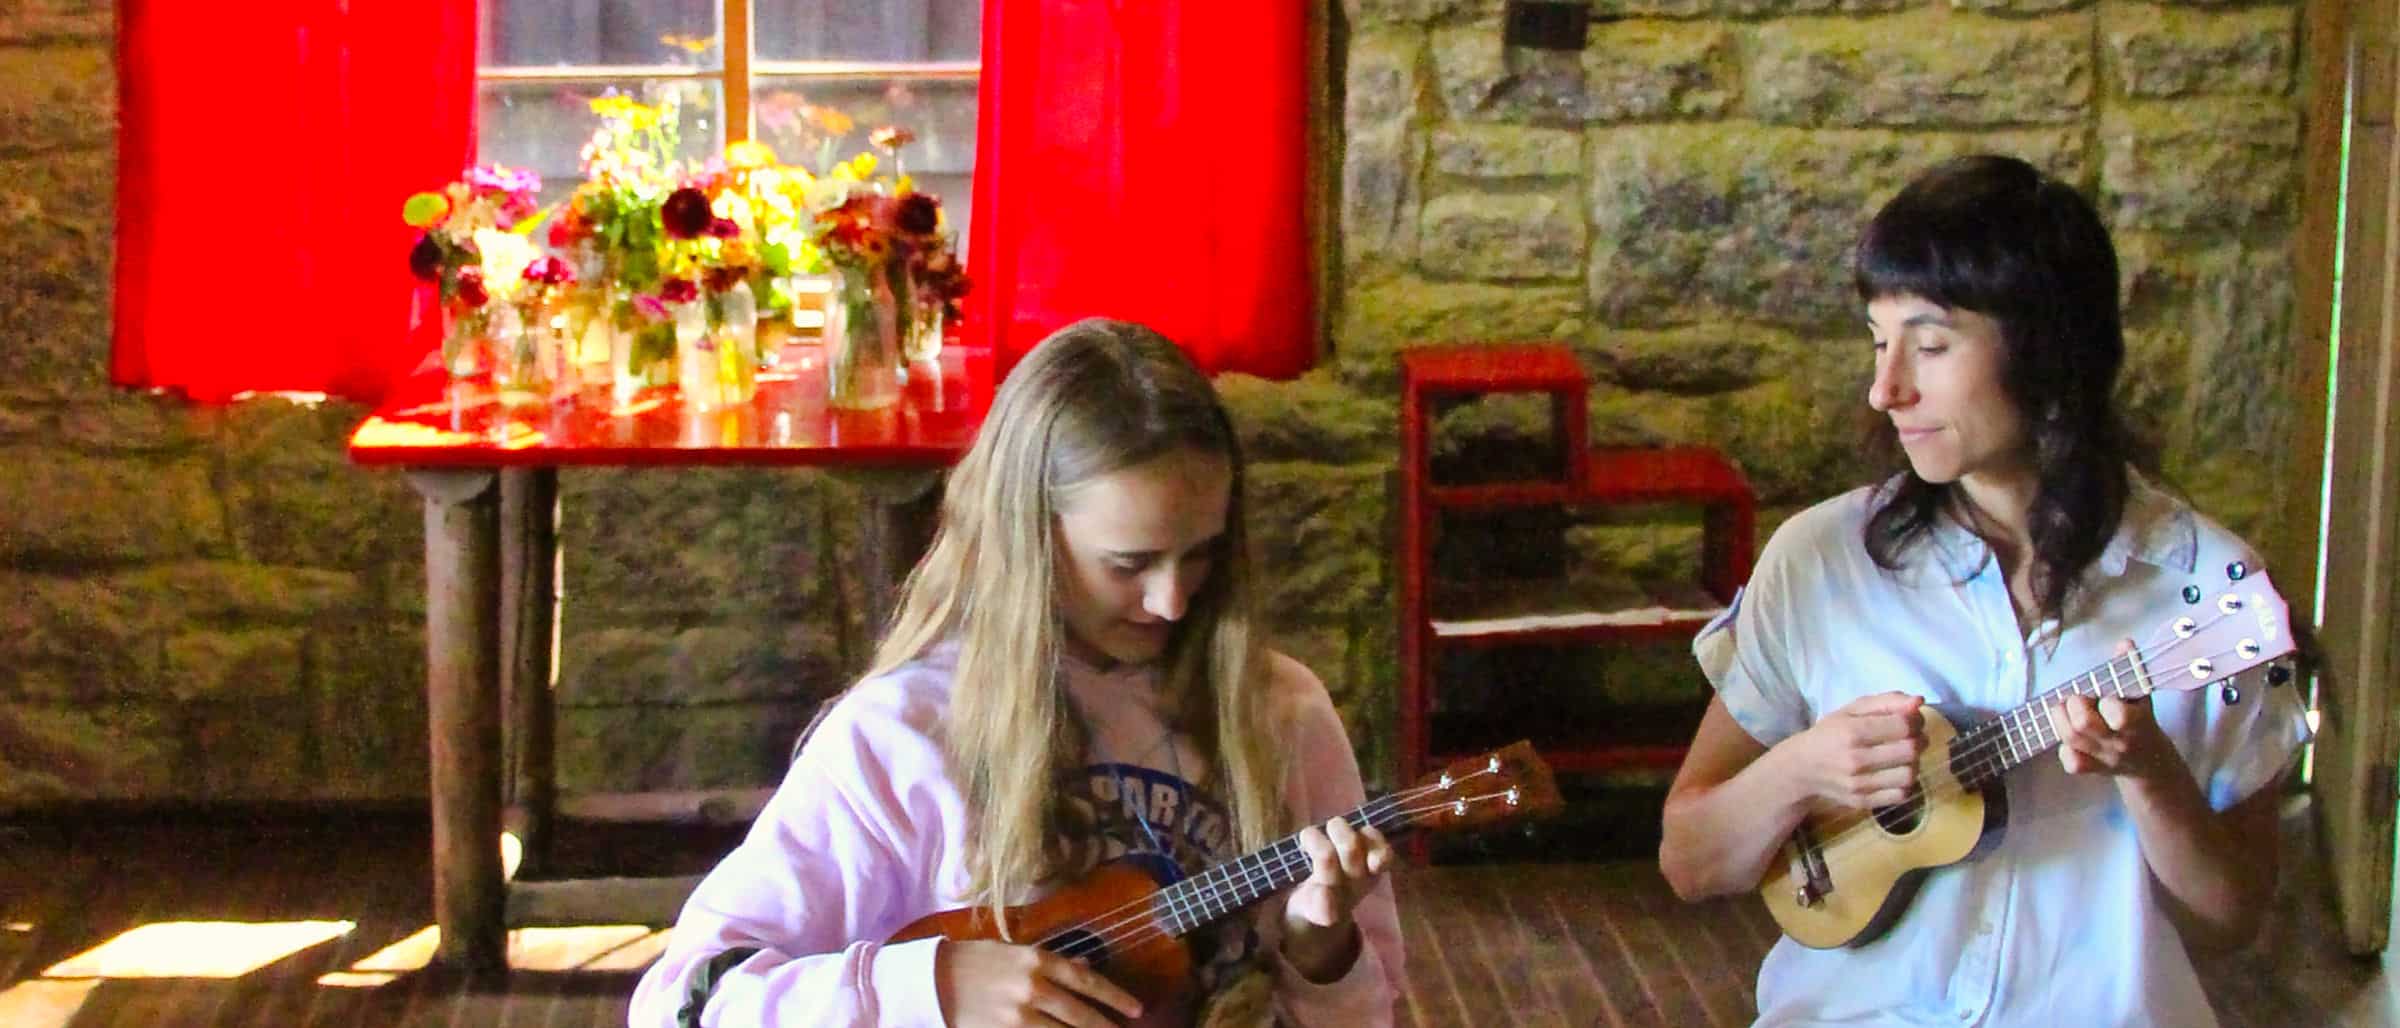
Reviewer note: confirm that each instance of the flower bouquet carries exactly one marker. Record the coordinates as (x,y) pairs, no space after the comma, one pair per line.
(489,207)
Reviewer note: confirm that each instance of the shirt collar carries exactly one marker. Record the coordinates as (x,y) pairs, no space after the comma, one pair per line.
(2155,530)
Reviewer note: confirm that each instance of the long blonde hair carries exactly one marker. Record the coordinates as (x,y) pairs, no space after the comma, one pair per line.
(1094,397)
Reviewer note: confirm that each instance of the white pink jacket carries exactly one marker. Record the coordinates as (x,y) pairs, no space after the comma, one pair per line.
(864,837)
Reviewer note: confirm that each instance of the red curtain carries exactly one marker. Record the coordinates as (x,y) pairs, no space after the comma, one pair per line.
(265,150)
(1145,159)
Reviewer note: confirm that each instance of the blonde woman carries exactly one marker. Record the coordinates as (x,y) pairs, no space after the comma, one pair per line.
(1074,675)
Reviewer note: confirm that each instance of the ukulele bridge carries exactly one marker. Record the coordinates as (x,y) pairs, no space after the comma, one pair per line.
(1809,869)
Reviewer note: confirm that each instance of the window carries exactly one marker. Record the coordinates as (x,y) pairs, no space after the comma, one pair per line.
(809,78)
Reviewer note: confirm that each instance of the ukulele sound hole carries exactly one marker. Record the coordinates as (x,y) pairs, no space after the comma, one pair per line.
(1903,817)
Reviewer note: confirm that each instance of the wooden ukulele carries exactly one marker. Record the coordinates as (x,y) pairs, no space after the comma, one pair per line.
(1844,878)
(1121,921)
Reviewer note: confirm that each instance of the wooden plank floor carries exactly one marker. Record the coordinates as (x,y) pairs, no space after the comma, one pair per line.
(346,903)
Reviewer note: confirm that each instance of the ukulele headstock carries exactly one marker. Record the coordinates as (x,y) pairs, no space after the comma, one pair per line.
(1506,784)
(2221,632)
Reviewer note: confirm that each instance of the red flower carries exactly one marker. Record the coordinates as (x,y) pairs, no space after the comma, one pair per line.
(570,228)
(725,228)
(470,287)
(685,215)
(425,258)
(917,213)
(678,290)
(721,278)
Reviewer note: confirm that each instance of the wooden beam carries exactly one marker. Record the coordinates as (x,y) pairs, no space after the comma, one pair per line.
(2356,737)
(690,806)
(735,21)
(2289,539)
(590,901)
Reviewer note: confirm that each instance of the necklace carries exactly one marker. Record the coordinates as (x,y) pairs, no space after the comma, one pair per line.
(1139,805)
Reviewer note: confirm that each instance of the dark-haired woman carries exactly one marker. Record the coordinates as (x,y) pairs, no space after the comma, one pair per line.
(2014,550)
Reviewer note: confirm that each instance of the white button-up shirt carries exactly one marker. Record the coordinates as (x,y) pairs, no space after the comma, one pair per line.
(2057,924)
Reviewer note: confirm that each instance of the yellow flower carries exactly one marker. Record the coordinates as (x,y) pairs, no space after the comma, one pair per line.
(749,155)
(857,169)
(505,256)
(834,122)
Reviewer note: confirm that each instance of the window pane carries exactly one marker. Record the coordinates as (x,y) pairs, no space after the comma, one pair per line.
(543,125)
(791,117)
(519,33)
(867,30)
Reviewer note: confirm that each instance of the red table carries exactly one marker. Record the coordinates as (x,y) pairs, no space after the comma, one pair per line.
(488,475)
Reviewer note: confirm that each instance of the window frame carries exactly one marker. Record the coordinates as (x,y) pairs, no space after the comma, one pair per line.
(738,72)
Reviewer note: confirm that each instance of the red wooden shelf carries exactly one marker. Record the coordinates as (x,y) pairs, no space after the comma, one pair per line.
(1439,616)
(1674,474)
(1500,495)
(1518,367)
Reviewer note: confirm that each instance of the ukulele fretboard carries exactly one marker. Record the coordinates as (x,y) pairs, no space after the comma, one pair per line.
(1212,894)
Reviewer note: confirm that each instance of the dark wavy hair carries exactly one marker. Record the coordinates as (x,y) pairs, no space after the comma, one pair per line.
(1996,236)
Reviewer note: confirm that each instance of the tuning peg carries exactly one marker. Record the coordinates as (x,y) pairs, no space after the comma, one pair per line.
(2235,571)
(2279,674)
(2231,694)
(2191,594)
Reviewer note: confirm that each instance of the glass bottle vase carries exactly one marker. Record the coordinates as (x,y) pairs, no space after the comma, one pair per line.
(862,341)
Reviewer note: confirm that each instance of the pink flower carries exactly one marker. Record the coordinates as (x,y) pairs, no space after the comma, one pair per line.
(550,271)
(650,306)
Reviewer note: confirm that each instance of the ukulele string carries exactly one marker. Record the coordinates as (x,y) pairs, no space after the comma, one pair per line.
(1866,826)
(1972,759)
(1134,914)
(1132,933)
(1386,810)
(1138,910)
(1988,754)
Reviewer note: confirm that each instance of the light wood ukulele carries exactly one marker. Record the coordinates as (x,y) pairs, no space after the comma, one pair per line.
(1842,879)
(1121,921)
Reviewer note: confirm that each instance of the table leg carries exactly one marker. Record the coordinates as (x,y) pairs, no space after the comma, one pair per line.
(462,711)
(529,598)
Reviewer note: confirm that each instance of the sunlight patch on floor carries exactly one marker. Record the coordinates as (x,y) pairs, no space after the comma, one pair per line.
(197,949)
(44,1004)
(568,949)
(634,955)
(615,947)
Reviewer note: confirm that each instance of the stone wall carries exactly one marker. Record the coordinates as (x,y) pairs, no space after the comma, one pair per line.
(213,605)
(1677,204)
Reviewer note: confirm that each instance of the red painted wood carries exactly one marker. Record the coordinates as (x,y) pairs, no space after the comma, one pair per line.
(1662,475)
(1667,630)
(1496,368)
(1688,475)
(435,423)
